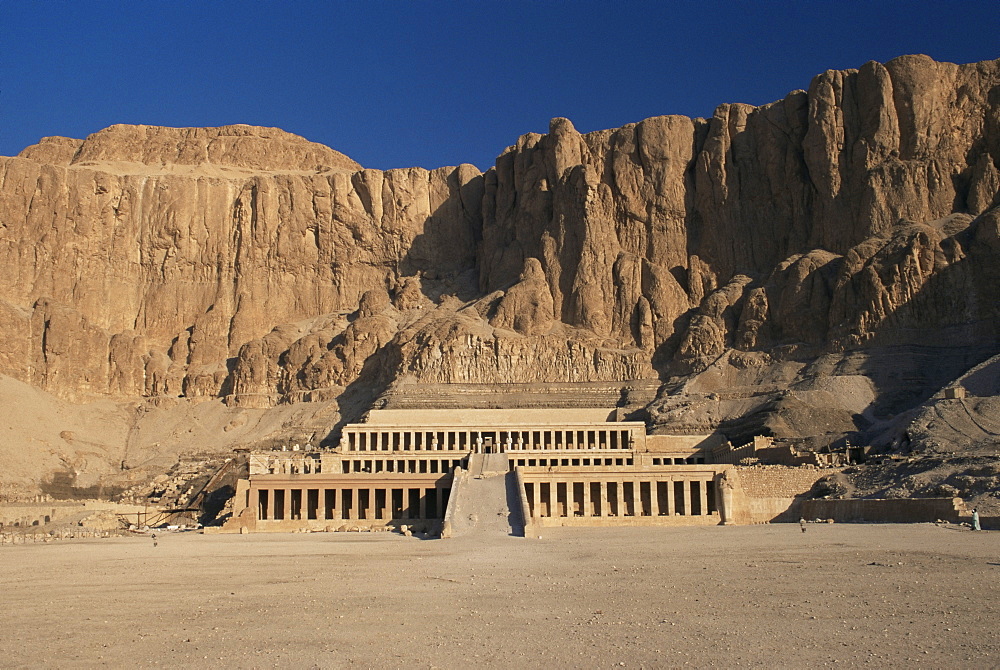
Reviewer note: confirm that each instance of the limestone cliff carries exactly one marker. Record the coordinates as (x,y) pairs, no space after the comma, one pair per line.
(843,201)
(253,267)
(127,276)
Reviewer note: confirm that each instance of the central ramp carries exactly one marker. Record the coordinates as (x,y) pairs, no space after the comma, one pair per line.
(484,504)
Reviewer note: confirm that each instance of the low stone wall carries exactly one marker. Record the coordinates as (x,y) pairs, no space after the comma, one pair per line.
(458,482)
(766,493)
(34,515)
(52,536)
(777,481)
(26,515)
(895,510)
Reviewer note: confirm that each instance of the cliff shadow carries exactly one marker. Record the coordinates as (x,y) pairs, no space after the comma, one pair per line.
(362,394)
(444,255)
(946,328)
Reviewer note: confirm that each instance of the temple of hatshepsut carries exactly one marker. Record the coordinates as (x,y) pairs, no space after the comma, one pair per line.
(426,468)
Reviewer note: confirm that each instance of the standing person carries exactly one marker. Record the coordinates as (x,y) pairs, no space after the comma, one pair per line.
(802,524)
(975,519)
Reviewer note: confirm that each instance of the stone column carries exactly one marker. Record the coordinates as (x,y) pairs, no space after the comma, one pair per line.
(636,498)
(351,511)
(654,498)
(288,504)
(587,509)
(604,498)
(671,506)
(687,497)
(272,504)
(570,501)
(703,497)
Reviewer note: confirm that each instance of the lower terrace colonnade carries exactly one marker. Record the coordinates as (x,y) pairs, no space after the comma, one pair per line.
(619,496)
(376,501)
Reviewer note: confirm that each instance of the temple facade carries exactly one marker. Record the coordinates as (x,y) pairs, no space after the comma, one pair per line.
(569,466)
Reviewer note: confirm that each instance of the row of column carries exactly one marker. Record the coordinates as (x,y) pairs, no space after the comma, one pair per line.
(351,503)
(409,440)
(572,462)
(401,465)
(301,466)
(619,498)
(475,440)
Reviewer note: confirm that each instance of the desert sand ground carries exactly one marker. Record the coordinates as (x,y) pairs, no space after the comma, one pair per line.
(763,596)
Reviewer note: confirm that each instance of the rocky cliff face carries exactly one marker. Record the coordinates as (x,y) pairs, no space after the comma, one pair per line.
(128,276)
(250,265)
(814,219)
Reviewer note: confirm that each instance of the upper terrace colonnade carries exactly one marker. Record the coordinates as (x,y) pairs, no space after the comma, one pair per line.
(490,431)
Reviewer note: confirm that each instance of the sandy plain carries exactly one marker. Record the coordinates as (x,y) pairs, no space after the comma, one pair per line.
(764,596)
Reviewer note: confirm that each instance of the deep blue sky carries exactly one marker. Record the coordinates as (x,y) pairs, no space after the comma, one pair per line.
(397,84)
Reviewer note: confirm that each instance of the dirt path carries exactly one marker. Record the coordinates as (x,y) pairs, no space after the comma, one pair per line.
(764,596)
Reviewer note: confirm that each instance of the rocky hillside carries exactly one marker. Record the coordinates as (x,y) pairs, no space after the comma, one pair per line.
(815,267)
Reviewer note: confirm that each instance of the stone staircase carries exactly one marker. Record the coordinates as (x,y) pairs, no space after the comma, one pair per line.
(484,501)
(488,465)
